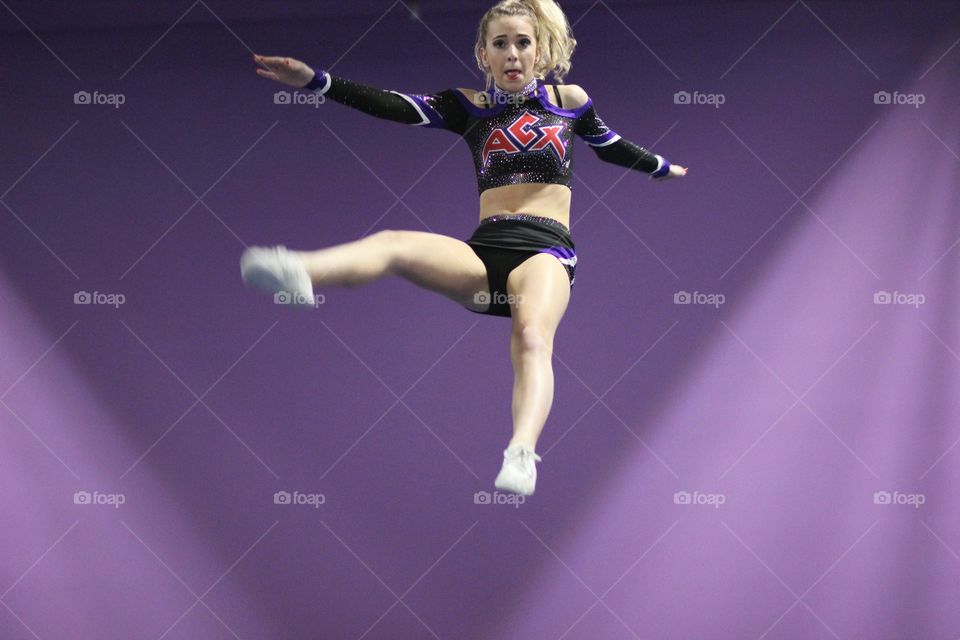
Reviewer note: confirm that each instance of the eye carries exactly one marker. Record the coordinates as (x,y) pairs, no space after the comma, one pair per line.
(525,42)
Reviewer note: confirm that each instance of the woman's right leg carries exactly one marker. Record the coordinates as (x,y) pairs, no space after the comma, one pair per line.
(430,260)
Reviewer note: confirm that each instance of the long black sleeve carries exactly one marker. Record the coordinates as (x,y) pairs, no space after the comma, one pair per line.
(610,147)
(441,110)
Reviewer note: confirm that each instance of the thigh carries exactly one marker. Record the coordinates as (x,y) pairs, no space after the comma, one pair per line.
(442,264)
(539,293)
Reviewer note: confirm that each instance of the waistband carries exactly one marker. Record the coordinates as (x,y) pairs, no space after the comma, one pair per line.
(527,217)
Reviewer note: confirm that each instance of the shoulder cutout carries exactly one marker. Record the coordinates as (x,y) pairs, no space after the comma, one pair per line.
(573,96)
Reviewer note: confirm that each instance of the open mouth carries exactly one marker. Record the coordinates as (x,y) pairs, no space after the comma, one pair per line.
(513,74)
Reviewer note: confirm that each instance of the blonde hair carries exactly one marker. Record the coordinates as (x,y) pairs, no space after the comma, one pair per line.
(551,30)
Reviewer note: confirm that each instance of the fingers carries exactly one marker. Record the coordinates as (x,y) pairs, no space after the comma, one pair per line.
(267,74)
(273,61)
(268,63)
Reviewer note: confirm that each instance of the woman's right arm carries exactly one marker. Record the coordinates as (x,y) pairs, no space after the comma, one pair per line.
(611,147)
(441,110)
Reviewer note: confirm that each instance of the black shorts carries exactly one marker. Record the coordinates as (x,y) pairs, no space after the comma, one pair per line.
(503,242)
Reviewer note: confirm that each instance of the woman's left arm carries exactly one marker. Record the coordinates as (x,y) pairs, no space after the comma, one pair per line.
(611,147)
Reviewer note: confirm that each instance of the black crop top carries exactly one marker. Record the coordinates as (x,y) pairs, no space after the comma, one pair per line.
(513,142)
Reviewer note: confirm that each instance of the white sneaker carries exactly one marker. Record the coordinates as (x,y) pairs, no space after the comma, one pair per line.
(519,471)
(278,271)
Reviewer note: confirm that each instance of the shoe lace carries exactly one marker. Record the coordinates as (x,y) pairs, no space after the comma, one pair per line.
(523,459)
(290,265)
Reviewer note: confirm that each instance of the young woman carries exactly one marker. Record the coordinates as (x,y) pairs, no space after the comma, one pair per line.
(520,261)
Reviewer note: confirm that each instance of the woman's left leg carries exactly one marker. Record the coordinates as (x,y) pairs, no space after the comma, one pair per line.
(539,291)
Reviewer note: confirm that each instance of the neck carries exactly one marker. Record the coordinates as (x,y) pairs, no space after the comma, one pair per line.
(529,88)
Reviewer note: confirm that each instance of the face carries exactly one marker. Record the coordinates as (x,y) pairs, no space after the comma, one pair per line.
(510,45)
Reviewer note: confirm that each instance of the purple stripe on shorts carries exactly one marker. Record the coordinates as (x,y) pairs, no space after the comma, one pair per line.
(563,253)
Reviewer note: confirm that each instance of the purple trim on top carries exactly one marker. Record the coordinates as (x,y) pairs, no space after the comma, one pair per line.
(432,118)
(601,140)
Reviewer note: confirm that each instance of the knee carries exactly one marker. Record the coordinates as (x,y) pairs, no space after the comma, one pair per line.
(533,339)
(388,243)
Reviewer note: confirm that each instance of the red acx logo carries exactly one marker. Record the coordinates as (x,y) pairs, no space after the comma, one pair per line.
(524,134)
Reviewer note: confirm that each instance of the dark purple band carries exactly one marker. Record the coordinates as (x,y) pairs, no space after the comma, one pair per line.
(662,171)
(319,79)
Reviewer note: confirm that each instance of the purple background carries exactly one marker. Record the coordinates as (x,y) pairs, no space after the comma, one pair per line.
(793,401)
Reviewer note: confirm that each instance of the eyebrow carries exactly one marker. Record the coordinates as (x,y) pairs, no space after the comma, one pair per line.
(503,35)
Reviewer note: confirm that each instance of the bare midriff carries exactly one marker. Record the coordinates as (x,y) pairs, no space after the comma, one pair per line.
(548,200)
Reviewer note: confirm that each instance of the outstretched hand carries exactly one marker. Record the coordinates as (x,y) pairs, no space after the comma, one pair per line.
(676,171)
(284,70)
